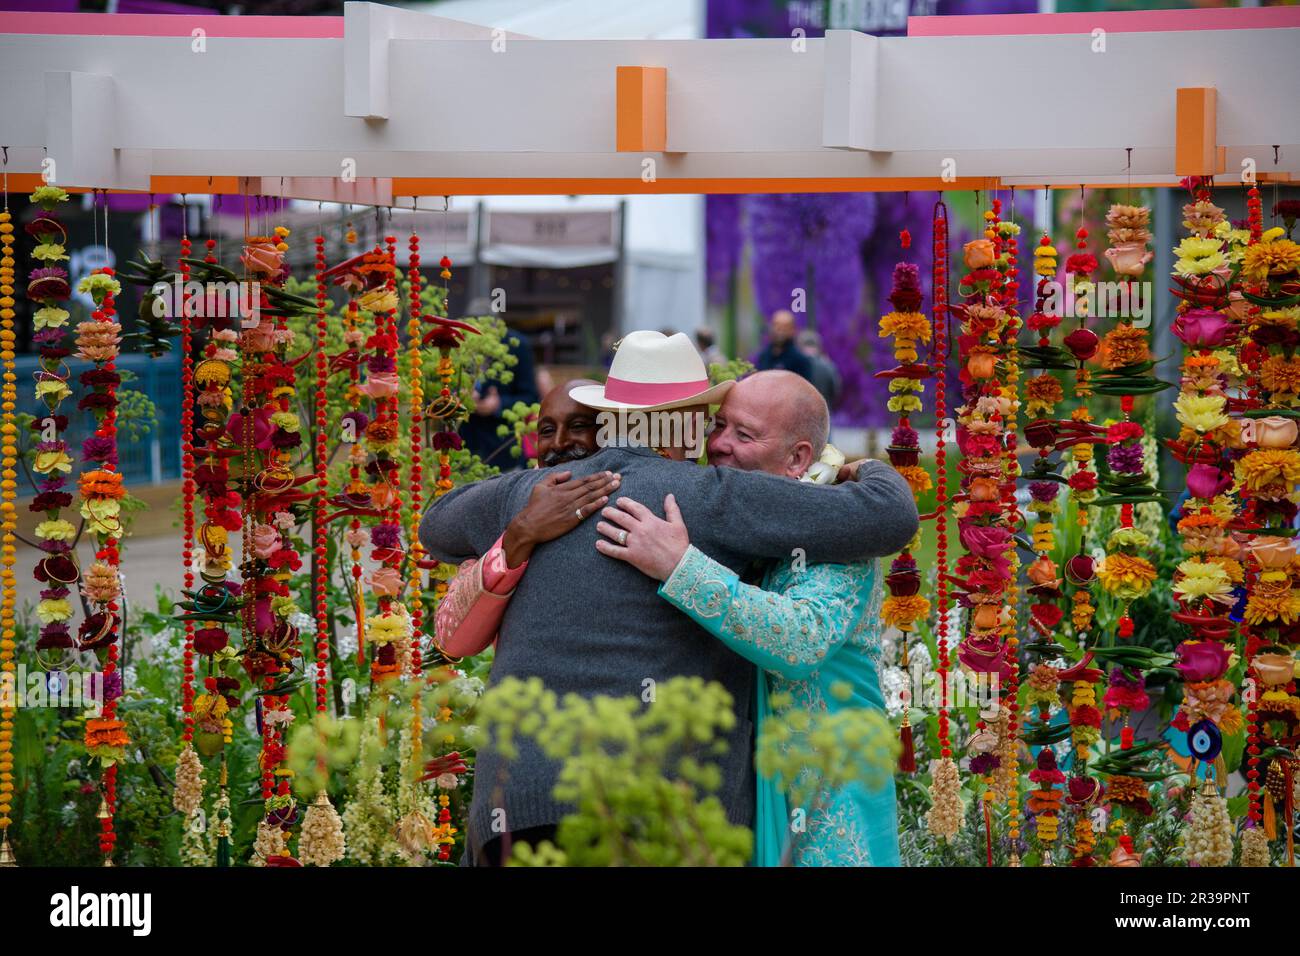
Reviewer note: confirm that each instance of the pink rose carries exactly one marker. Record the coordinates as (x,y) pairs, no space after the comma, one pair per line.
(380,385)
(1203,328)
(357,538)
(266,540)
(386,581)
(986,542)
(1202,661)
(1207,481)
(1129,258)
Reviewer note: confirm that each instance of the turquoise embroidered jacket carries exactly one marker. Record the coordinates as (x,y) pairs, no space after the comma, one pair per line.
(808,630)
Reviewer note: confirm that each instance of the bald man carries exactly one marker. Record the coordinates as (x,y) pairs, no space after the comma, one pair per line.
(812,629)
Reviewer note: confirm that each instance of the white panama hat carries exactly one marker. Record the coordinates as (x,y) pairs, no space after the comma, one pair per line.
(653,371)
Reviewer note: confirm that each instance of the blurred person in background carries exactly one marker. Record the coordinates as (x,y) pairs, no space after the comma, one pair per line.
(780,351)
(708,347)
(825,376)
(479,431)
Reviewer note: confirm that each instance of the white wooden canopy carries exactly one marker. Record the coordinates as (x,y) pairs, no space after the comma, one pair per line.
(384,104)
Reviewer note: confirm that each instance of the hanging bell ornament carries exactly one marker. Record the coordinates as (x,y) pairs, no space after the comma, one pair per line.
(103,813)
(7,857)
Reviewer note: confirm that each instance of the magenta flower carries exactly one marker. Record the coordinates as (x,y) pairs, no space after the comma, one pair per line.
(1207,481)
(1203,328)
(1202,661)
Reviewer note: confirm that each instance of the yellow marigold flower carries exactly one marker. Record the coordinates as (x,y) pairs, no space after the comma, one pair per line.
(1264,259)
(1267,467)
(909,325)
(1127,576)
(1281,605)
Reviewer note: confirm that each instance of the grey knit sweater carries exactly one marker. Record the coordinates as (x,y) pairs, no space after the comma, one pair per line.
(592,625)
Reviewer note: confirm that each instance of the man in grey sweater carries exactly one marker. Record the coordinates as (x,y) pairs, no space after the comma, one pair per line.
(590,625)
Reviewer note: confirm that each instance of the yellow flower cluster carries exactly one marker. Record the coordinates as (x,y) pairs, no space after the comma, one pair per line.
(1127,576)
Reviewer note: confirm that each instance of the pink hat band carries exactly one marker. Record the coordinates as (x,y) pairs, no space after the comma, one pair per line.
(651,393)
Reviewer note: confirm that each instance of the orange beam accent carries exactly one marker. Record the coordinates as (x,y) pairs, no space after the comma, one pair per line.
(1196,148)
(162,185)
(642,109)
(421,186)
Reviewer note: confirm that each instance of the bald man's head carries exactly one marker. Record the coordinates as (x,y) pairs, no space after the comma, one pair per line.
(566,431)
(773,421)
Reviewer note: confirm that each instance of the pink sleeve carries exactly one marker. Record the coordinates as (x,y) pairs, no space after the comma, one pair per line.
(469,615)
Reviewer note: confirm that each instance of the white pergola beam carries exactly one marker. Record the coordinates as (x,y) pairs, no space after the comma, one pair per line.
(405,95)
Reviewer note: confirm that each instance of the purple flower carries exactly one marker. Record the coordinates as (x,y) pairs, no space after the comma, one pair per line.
(905,436)
(1044,490)
(112,685)
(1125,458)
(386,536)
(97,448)
(381,363)
(359,421)
(984,764)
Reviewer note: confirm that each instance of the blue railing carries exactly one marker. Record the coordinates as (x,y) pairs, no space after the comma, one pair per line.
(153,457)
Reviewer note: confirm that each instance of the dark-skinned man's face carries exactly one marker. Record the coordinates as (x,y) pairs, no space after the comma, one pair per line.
(566,431)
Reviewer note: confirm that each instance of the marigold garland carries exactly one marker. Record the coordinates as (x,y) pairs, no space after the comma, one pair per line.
(8,520)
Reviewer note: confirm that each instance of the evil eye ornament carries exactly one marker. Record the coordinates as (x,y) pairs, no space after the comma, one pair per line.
(1204,740)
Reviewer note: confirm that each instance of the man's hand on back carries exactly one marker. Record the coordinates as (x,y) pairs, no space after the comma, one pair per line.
(647,542)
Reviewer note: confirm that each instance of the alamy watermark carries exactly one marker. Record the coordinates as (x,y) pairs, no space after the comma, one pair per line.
(212,300)
(1102,300)
(41,688)
(671,428)
(925,690)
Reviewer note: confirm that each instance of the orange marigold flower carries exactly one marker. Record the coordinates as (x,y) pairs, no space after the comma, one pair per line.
(101,484)
(917,477)
(1124,345)
(902,611)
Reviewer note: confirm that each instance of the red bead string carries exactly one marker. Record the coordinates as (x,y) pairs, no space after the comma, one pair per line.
(320,549)
(417,473)
(187,485)
(939,361)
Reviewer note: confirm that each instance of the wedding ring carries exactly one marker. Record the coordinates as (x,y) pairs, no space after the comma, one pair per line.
(622,538)
(579,513)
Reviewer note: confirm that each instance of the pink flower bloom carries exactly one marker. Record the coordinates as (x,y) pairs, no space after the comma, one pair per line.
(1203,328)
(1202,661)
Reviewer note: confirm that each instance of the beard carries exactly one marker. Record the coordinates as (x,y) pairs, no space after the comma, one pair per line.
(559,456)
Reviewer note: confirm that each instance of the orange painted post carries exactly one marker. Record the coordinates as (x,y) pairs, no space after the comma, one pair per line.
(1196,148)
(642,124)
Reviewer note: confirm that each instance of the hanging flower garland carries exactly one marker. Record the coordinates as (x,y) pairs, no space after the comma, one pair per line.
(57,570)
(98,341)
(447,411)
(188,794)
(1268,274)
(212,609)
(270,431)
(8,522)
(909,329)
(944,817)
(389,630)
(1209,582)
